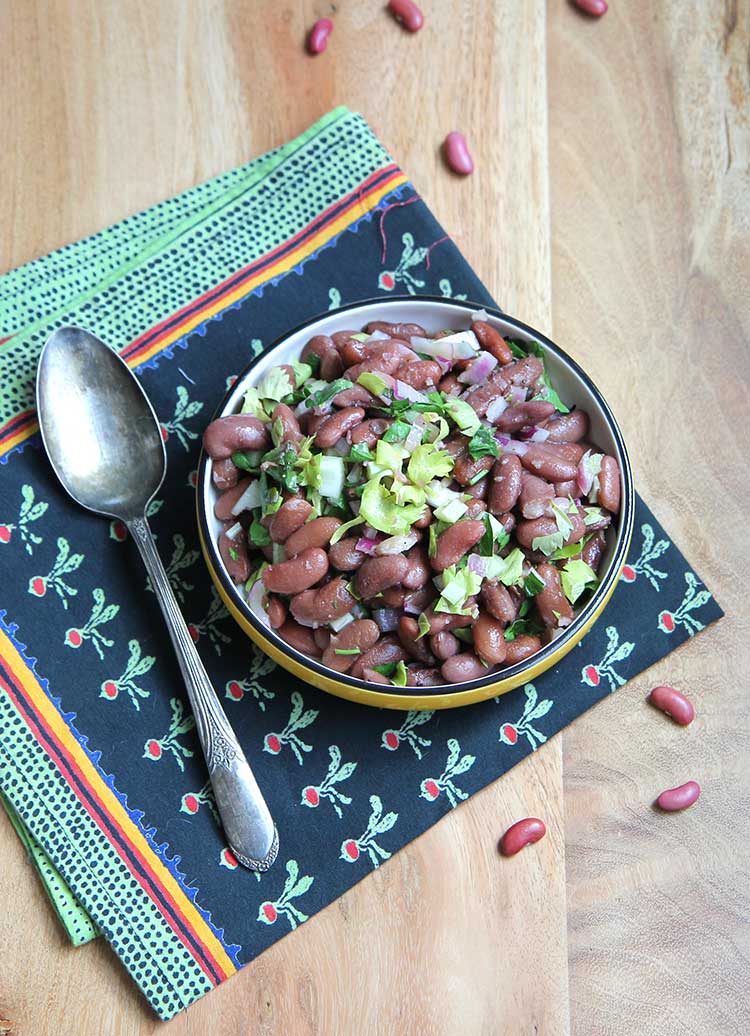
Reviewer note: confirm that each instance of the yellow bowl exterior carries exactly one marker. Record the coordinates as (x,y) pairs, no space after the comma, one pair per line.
(379,699)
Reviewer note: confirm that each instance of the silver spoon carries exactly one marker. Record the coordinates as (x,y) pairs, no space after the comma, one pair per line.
(104,443)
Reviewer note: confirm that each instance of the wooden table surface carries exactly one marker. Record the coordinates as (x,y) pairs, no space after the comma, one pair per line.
(610,206)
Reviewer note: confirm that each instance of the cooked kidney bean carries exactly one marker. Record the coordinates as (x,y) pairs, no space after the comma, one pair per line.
(407,13)
(450,385)
(594,549)
(425,520)
(551,602)
(475,508)
(357,395)
(456,541)
(467,467)
(408,634)
(310,423)
(330,362)
(522,414)
(524,373)
(378,573)
(444,645)
(478,491)
(290,431)
(489,642)
(344,555)
(506,484)
(499,603)
(337,425)
(352,352)
(546,462)
(224,474)
(609,485)
(596,8)
(457,155)
(317,39)
(463,667)
(370,431)
(300,638)
(391,597)
(419,571)
(674,704)
(418,677)
(536,496)
(227,500)
(360,635)
(446,621)
(298,574)
(402,331)
(319,607)
(227,435)
(523,647)
(316,533)
(292,514)
(343,338)
(492,341)
(386,650)
(522,833)
(418,600)
(373,676)
(570,427)
(480,397)
(235,557)
(569,488)
(420,374)
(679,798)
(277,613)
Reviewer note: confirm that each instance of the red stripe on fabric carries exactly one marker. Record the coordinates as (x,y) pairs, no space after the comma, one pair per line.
(27,416)
(209,965)
(268,257)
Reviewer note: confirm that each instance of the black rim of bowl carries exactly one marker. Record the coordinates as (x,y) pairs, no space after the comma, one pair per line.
(620,550)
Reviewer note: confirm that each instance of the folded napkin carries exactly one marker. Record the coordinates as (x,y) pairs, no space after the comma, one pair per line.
(99,762)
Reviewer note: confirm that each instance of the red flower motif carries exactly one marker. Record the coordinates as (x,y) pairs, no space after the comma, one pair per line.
(508,734)
(4,534)
(351,849)
(591,676)
(164,432)
(270,912)
(666,622)
(430,788)
(272,744)
(628,574)
(194,633)
(234,691)
(312,796)
(73,638)
(38,586)
(153,749)
(190,803)
(118,531)
(110,689)
(387,281)
(391,739)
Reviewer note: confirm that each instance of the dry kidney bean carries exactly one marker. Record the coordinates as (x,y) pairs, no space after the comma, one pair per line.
(316,533)
(337,425)
(402,331)
(463,667)
(386,650)
(418,677)
(674,704)
(277,613)
(292,514)
(408,634)
(522,414)
(450,385)
(499,603)
(570,427)
(522,648)
(407,13)
(609,485)
(536,496)
(492,341)
(224,473)
(506,484)
(679,798)
(455,542)
(370,431)
(467,468)
(420,374)
(543,460)
(317,39)
(344,555)
(300,638)
(457,155)
(521,834)
(489,642)
(235,557)
(357,395)
(444,645)
(376,574)
(226,435)
(419,571)
(359,635)
(298,574)
(551,599)
(593,550)
(227,500)
(318,607)
(289,424)
(596,8)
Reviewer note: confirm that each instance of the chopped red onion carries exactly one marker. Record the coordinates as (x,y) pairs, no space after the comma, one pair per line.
(403,391)
(540,435)
(411,608)
(386,619)
(365,545)
(478,370)
(496,408)
(477,564)
(518,393)
(512,445)
(396,544)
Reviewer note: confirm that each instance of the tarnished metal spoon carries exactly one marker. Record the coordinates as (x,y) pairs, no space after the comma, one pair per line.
(104,443)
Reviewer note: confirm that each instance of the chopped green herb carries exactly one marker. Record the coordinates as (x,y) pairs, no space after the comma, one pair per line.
(495,536)
(399,677)
(360,453)
(483,444)
(424,625)
(246,460)
(519,349)
(520,626)
(347,651)
(533,584)
(321,396)
(386,669)
(464,635)
(576,577)
(549,394)
(432,545)
(233,553)
(397,432)
(478,477)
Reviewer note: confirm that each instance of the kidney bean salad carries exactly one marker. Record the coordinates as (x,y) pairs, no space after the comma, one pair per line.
(413,509)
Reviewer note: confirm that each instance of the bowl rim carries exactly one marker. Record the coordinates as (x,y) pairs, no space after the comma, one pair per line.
(549,652)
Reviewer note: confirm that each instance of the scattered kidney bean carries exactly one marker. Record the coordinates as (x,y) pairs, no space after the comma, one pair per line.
(227,500)
(322,637)
(506,484)
(596,8)
(344,555)
(373,676)
(300,638)
(674,704)
(478,491)
(609,485)
(298,574)
(425,520)
(679,798)
(407,13)
(318,607)
(456,541)
(569,488)
(370,431)
(317,39)
(292,514)
(357,395)
(235,557)
(551,602)
(337,425)
(522,833)
(466,468)
(316,533)
(489,642)
(277,613)
(445,621)
(521,648)
(457,155)
(360,635)
(391,597)
(463,667)
(376,574)
(492,341)
(420,374)
(531,528)
(224,473)
(450,385)
(227,435)
(330,362)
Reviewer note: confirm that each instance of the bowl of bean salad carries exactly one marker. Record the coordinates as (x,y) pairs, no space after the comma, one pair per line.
(414,502)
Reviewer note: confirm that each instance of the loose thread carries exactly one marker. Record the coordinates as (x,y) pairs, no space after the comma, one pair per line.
(434,245)
(393,205)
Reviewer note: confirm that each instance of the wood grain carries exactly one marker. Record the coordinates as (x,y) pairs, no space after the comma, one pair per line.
(611,194)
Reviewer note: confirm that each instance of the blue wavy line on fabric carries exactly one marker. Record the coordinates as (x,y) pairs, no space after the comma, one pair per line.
(136,815)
